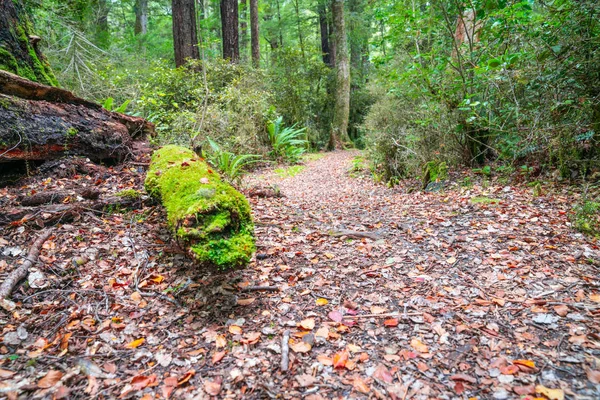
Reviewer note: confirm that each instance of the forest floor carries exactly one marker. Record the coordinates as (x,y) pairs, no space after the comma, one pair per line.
(482,292)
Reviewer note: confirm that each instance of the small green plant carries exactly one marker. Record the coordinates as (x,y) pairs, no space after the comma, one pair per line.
(434,171)
(71,132)
(232,166)
(289,171)
(487,170)
(467,182)
(587,217)
(484,200)
(108,105)
(129,194)
(286,142)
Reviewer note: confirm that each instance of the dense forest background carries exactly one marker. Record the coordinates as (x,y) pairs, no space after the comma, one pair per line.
(444,81)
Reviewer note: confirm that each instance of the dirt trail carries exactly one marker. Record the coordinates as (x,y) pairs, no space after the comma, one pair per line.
(481,291)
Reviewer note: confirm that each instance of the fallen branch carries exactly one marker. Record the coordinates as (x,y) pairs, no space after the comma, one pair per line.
(285,350)
(260,288)
(21,272)
(384,315)
(55,197)
(355,234)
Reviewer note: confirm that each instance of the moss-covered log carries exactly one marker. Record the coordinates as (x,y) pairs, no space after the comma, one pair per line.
(19,53)
(209,218)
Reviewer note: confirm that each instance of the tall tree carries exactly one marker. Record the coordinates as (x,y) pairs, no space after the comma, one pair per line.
(341,109)
(101,8)
(324,31)
(229,28)
(298,23)
(254,32)
(141,17)
(19,53)
(244,29)
(185,34)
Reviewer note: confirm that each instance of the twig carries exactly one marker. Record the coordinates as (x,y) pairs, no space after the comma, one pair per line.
(259,288)
(355,234)
(285,350)
(394,314)
(21,272)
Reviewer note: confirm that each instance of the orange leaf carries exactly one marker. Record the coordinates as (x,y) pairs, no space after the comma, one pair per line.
(218,356)
(323,359)
(361,385)
(340,359)
(50,379)
(509,370)
(136,343)
(419,346)
(188,375)
(64,342)
(301,347)
(308,324)
(235,330)
(251,338)
(245,302)
(139,382)
(391,322)
(220,341)
(526,363)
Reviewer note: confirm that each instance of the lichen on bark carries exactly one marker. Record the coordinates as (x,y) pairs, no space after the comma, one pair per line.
(209,217)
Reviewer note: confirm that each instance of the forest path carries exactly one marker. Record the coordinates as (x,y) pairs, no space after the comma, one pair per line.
(478,291)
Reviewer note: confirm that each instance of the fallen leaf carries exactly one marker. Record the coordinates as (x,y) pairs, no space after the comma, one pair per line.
(305,380)
(323,359)
(50,379)
(4,373)
(218,356)
(390,322)
(595,297)
(235,330)
(525,363)
(524,390)
(323,332)
(509,370)
(308,324)
(301,347)
(340,359)
(419,346)
(321,302)
(593,375)
(381,373)
(451,260)
(464,378)
(360,385)
(135,344)
(552,394)
(212,388)
(251,338)
(377,310)
(220,341)
(561,310)
(245,302)
(186,377)
(139,382)
(335,316)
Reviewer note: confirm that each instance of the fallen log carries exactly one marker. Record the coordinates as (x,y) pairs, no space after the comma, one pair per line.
(39,122)
(62,213)
(55,197)
(21,272)
(208,217)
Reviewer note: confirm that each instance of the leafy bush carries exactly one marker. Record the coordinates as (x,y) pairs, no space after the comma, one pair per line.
(286,142)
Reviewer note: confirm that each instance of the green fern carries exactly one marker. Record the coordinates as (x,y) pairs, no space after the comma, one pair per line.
(232,166)
(286,141)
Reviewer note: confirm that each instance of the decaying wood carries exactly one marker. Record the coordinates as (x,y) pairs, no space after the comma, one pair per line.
(355,234)
(21,272)
(52,214)
(55,197)
(39,122)
(285,350)
(261,288)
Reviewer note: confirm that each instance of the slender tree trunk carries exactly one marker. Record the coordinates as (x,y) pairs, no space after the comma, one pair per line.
(341,110)
(244,29)
(279,24)
(298,22)
(141,17)
(101,33)
(332,51)
(229,27)
(19,52)
(185,34)
(324,30)
(255,33)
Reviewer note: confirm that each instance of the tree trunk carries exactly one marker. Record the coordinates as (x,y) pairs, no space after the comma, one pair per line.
(229,27)
(101,34)
(208,217)
(254,31)
(298,22)
(141,17)
(341,110)
(185,35)
(19,53)
(40,122)
(244,29)
(324,30)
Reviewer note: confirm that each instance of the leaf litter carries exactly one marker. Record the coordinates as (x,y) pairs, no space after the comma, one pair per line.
(444,297)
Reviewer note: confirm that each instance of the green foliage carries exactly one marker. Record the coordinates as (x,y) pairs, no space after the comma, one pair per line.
(289,172)
(587,217)
(286,142)
(129,194)
(232,166)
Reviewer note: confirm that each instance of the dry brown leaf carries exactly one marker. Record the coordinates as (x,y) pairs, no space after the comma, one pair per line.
(235,330)
(377,310)
(323,359)
(308,324)
(360,385)
(552,394)
(419,346)
(218,356)
(561,310)
(50,379)
(323,332)
(220,341)
(4,373)
(301,347)
(245,302)
(212,388)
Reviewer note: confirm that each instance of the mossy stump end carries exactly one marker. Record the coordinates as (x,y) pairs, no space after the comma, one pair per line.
(209,217)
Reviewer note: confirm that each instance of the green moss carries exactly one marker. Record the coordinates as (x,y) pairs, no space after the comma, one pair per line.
(130,194)
(208,215)
(289,171)
(71,132)
(484,200)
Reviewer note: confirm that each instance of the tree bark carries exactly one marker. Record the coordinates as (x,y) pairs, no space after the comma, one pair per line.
(102,33)
(229,28)
(19,53)
(141,17)
(40,122)
(341,110)
(185,34)
(244,29)
(254,32)
(299,24)
(324,30)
